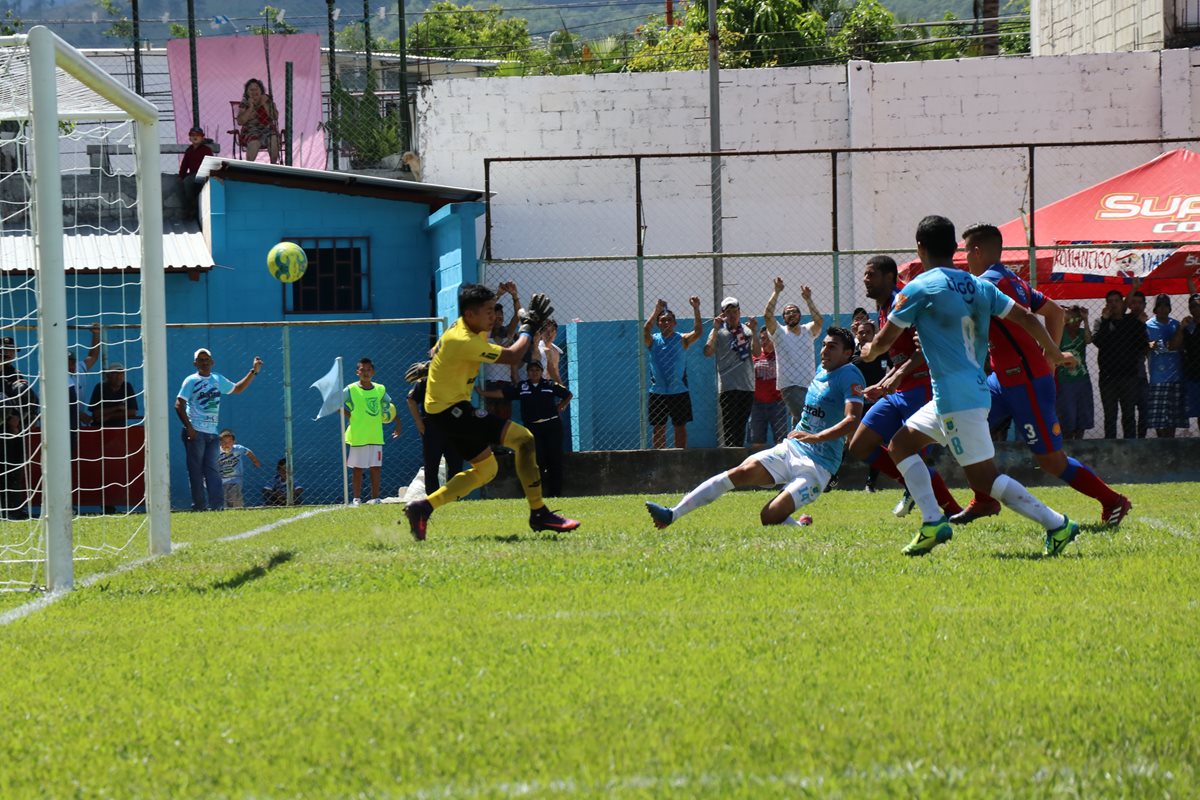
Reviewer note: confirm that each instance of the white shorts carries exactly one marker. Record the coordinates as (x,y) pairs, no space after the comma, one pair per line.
(365,455)
(804,479)
(965,433)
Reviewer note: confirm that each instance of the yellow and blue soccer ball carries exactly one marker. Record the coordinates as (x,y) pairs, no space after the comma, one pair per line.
(287,262)
(389,413)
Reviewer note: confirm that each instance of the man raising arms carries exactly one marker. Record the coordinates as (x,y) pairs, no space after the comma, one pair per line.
(471,431)
(794,361)
(669,396)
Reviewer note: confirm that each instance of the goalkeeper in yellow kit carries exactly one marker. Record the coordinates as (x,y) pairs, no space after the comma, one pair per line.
(472,431)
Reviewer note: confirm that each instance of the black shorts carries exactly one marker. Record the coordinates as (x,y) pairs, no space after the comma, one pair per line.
(469,430)
(676,406)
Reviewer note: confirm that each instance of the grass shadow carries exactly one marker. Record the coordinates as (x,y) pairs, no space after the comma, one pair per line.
(380,546)
(517,538)
(255,572)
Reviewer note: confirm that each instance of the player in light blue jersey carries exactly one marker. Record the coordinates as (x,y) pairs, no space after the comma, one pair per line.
(952,311)
(803,461)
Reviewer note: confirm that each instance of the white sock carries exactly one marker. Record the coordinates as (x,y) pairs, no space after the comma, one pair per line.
(916,477)
(1018,498)
(791,521)
(703,494)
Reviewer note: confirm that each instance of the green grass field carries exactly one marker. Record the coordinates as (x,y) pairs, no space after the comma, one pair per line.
(334,657)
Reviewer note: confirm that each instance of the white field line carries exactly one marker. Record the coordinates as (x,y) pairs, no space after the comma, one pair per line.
(1163,526)
(50,598)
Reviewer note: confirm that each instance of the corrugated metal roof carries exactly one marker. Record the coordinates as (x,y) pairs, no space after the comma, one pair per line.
(184,248)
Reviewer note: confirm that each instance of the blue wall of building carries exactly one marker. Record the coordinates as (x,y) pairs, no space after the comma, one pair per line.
(246,220)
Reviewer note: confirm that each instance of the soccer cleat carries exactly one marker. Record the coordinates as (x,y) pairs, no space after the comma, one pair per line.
(905,506)
(418,513)
(355,503)
(930,536)
(661,515)
(805,520)
(543,519)
(976,510)
(374,501)
(1114,514)
(1058,539)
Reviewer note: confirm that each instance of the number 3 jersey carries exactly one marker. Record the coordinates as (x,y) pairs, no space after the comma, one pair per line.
(952,311)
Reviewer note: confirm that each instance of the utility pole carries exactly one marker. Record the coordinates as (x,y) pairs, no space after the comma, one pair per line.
(714,148)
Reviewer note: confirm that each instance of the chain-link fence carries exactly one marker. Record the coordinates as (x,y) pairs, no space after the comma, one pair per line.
(606,237)
(274,416)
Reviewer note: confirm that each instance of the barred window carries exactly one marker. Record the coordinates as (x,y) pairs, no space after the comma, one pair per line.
(337,281)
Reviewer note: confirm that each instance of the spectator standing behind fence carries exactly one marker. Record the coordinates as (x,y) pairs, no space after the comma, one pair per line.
(275,492)
(189,184)
(364,405)
(232,470)
(17,403)
(542,402)
(873,373)
(1191,355)
(768,410)
(1165,406)
(434,446)
(548,352)
(495,376)
(259,121)
(1120,339)
(1075,405)
(198,406)
(669,395)
(1135,304)
(77,411)
(734,343)
(796,361)
(114,401)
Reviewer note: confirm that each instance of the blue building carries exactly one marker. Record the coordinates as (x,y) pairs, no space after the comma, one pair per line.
(377,248)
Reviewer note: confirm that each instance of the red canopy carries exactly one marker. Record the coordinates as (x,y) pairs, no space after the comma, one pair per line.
(1144,223)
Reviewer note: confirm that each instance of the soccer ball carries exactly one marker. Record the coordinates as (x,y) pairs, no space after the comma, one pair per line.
(389,413)
(287,262)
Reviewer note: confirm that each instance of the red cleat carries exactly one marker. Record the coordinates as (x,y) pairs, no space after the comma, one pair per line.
(1116,512)
(543,519)
(418,513)
(976,510)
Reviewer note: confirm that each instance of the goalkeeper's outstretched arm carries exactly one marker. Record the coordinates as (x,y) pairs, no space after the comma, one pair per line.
(531,318)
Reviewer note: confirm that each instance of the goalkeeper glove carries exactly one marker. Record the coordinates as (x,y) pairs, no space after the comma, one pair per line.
(538,312)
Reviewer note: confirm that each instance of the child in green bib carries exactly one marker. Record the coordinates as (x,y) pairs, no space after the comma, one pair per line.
(367,407)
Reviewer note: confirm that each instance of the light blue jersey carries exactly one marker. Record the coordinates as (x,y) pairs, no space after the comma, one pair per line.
(824,407)
(952,310)
(203,396)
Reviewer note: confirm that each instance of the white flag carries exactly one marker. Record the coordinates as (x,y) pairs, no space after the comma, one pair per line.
(330,388)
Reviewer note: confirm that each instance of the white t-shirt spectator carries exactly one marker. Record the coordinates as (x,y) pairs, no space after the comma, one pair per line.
(795,357)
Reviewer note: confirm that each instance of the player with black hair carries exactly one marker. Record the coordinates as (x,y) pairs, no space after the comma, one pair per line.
(805,460)
(472,431)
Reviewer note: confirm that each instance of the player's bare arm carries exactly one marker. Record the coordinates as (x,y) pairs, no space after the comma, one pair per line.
(884,340)
(1021,316)
(845,427)
(1055,318)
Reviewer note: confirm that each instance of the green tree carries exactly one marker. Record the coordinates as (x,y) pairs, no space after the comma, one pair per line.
(451,31)
(177,30)
(120,26)
(10,24)
(271,23)
(680,47)
(866,33)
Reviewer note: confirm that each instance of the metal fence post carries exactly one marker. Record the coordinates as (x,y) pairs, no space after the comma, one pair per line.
(287,409)
(641,299)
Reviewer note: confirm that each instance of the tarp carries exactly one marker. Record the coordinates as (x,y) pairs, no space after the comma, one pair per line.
(225,63)
(1144,223)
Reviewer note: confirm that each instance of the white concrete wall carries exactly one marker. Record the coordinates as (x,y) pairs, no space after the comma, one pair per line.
(777,203)
(1067,27)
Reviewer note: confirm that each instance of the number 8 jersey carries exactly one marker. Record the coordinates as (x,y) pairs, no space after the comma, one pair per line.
(952,311)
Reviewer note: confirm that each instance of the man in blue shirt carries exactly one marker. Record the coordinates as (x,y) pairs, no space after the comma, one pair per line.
(804,461)
(669,395)
(952,311)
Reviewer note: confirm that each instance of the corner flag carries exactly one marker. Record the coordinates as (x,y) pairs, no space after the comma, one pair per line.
(330,388)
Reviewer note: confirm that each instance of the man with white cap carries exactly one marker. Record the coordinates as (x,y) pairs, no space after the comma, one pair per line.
(198,407)
(733,342)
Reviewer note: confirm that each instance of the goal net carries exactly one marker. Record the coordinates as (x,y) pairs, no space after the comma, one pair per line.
(83,393)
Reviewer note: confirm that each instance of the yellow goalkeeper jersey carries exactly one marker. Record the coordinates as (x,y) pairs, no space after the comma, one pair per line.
(455,364)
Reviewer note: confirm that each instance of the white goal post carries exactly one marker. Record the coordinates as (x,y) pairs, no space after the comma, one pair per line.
(56,87)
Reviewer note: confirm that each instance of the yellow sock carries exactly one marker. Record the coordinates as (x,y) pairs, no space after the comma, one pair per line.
(521,441)
(465,482)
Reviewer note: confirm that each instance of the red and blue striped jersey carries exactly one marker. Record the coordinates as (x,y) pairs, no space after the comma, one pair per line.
(1014,355)
(903,348)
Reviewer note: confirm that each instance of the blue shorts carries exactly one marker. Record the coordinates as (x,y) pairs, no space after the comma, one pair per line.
(1031,406)
(886,417)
